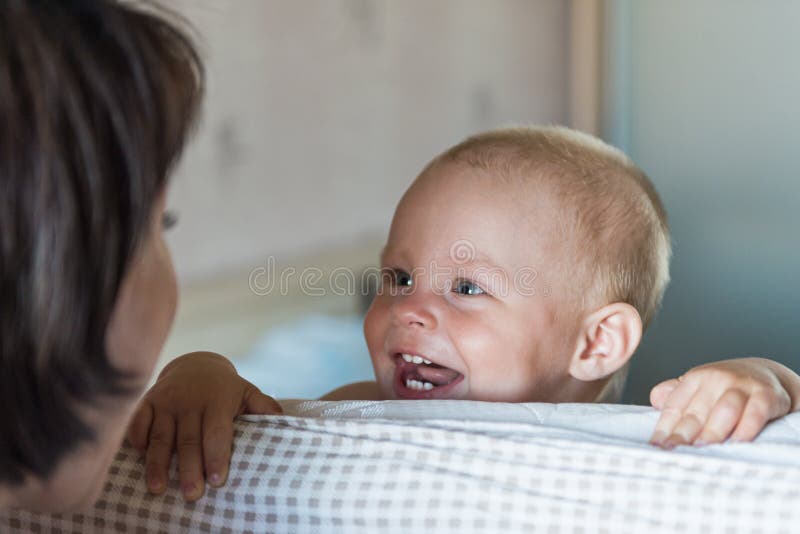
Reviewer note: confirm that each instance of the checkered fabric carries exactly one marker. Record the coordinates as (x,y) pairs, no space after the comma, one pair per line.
(343,469)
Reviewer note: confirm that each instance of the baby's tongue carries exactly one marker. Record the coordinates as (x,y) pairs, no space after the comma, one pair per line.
(438,376)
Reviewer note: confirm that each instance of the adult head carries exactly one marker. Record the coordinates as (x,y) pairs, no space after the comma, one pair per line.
(96,101)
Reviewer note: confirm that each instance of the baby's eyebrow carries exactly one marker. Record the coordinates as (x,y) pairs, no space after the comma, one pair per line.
(481,259)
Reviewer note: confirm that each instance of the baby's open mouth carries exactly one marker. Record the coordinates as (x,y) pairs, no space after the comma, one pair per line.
(417,377)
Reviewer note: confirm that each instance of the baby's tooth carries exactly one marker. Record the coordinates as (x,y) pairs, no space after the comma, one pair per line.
(427,385)
(417,359)
(408,357)
(427,362)
(408,383)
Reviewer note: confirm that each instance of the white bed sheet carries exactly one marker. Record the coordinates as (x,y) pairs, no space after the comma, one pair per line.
(460,466)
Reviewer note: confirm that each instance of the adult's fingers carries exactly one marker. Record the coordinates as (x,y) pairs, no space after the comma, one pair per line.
(139,428)
(723,417)
(660,393)
(159,452)
(190,456)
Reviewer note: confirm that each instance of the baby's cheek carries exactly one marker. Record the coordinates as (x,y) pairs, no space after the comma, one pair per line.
(499,362)
(371,329)
(377,328)
(376,323)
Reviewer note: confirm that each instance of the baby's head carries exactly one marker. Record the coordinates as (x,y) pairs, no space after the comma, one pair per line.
(522,265)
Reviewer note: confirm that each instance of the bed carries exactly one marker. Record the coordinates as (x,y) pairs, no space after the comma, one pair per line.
(461,467)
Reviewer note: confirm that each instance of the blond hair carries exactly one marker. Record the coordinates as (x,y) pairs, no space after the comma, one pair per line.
(611,216)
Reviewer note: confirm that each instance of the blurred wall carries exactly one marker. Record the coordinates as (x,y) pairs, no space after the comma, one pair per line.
(712,114)
(320,113)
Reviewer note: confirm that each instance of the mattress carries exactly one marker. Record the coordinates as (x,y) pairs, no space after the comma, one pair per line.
(461,466)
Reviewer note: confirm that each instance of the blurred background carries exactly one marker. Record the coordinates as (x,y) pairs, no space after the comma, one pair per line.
(320,114)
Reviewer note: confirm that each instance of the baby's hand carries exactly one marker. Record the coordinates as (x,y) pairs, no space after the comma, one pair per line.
(731,398)
(190,409)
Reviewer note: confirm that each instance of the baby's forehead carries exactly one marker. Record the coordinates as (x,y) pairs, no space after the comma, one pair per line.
(484,226)
(524,196)
(528,182)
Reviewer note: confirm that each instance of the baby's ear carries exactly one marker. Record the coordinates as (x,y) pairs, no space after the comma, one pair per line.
(606,341)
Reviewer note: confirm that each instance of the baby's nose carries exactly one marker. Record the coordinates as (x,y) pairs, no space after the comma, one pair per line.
(415,311)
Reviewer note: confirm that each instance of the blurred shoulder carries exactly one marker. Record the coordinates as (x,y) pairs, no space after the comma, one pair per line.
(355,391)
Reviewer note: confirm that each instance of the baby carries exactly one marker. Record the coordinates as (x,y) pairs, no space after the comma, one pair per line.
(522,265)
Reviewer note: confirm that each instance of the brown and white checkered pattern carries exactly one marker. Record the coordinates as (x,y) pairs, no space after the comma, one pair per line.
(360,474)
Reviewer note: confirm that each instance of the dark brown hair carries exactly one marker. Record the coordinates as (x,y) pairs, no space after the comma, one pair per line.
(97,98)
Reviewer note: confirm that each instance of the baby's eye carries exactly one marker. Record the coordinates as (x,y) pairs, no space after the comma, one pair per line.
(400,278)
(465,287)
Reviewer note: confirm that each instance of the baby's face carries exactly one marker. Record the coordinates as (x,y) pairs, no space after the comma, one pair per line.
(469,307)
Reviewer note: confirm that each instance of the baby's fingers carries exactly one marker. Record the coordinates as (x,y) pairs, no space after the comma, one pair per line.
(759,410)
(672,411)
(217,445)
(190,456)
(139,429)
(691,423)
(660,393)
(723,417)
(258,403)
(159,452)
